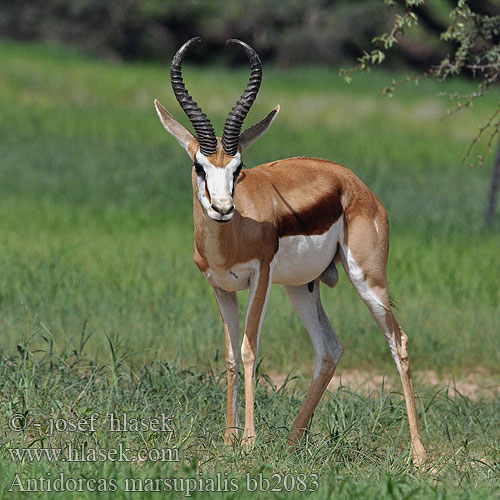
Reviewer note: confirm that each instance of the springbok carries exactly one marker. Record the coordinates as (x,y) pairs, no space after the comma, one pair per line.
(288,222)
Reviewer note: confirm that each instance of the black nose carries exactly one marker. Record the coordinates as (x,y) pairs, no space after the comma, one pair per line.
(223,211)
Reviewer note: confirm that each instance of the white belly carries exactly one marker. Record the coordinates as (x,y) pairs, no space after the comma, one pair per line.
(301,259)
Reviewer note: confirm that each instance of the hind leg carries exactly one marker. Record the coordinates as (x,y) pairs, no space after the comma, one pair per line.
(327,347)
(364,257)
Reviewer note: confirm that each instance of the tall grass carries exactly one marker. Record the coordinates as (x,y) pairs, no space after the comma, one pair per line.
(356,446)
(95,209)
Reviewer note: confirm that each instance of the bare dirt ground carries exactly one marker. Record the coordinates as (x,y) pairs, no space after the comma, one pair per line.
(472,385)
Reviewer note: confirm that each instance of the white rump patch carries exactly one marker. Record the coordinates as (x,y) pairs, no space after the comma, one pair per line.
(371,299)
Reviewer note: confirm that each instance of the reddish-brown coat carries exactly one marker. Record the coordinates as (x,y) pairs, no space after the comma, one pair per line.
(296,196)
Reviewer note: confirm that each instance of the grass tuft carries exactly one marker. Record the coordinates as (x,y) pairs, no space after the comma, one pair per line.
(355,445)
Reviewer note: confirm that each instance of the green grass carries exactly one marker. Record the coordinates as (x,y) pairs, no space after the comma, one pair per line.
(356,447)
(96,230)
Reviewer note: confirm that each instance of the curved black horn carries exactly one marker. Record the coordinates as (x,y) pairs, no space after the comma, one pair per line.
(234,122)
(202,125)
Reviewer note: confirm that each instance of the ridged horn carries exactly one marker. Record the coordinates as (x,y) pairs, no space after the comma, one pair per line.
(201,123)
(234,122)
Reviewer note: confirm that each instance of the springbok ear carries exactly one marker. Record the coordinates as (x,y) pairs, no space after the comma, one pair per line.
(251,134)
(179,131)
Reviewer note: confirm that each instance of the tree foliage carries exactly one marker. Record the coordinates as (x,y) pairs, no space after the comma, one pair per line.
(288,32)
(472,37)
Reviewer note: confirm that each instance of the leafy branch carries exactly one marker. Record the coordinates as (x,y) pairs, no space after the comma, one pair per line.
(474,38)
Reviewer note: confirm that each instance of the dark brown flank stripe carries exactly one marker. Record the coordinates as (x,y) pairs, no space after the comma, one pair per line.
(314,219)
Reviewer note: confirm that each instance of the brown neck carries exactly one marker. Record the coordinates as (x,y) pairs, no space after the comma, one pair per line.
(211,237)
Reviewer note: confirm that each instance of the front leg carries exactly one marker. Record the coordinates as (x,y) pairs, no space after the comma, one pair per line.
(257,303)
(228,307)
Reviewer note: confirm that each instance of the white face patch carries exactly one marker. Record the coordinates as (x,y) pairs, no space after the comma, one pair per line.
(219,182)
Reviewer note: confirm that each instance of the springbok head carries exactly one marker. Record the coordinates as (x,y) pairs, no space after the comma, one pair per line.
(217,161)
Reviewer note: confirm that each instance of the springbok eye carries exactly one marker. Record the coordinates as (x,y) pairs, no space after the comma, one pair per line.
(200,171)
